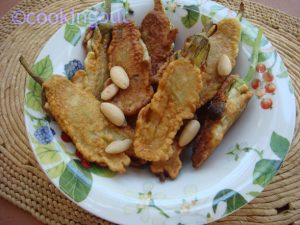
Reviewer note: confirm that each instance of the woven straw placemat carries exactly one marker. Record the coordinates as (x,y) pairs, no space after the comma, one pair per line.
(24,184)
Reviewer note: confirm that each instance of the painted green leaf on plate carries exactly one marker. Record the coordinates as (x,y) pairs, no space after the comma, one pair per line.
(264,56)
(264,171)
(254,57)
(33,100)
(102,172)
(291,87)
(47,154)
(62,145)
(192,16)
(72,34)
(249,29)
(84,18)
(205,20)
(233,199)
(279,145)
(88,17)
(75,181)
(43,69)
(38,122)
(82,21)
(283,74)
(253,193)
(56,171)
(34,86)
(33,140)
(247,39)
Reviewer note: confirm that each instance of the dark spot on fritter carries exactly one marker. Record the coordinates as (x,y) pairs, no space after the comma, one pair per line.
(215,110)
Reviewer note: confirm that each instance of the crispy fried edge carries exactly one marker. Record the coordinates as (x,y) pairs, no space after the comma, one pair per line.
(159,51)
(213,131)
(171,167)
(138,146)
(63,123)
(211,75)
(142,64)
(96,43)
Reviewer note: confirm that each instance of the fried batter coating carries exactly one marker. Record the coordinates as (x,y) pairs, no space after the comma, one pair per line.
(78,114)
(176,99)
(155,79)
(96,62)
(171,167)
(225,41)
(235,96)
(81,81)
(158,35)
(128,51)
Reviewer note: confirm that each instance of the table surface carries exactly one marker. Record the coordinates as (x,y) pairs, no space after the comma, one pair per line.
(11,214)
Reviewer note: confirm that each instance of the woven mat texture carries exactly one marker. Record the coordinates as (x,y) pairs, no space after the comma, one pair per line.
(24,184)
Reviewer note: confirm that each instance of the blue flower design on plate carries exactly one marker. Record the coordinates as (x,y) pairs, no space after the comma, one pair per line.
(44,135)
(72,67)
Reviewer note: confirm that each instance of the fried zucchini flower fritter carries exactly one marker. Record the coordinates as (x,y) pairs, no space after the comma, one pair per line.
(176,99)
(128,51)
(159,36)
(225,108)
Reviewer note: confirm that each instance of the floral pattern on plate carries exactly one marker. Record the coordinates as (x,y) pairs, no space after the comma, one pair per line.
(232,177)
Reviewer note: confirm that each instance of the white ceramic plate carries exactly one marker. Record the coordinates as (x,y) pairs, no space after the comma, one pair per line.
(245,162)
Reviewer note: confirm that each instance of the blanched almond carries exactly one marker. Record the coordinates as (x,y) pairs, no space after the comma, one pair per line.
(109,92)
(118,146)
(189,132)
(113,113)
(224,66)
(119,77)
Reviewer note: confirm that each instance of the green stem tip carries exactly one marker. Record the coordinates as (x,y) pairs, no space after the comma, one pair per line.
(26,66)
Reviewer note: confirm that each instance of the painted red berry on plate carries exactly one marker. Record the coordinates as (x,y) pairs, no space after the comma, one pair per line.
(255,83)
(65,137)
(261,68)
(266,103)
(78,154)
(85,164)
(260,93)
(270,88)
(268,77)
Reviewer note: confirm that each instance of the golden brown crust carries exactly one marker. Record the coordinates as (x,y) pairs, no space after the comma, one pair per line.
(80,79)
(213,131)
(78,114)
(225,41)
(96,62)
(171,167)
(156,78)
(176,99)
(134,160)
(126,50)
(87,37)
(158,36)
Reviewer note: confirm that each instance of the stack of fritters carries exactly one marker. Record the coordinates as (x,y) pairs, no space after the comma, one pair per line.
(186,81)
